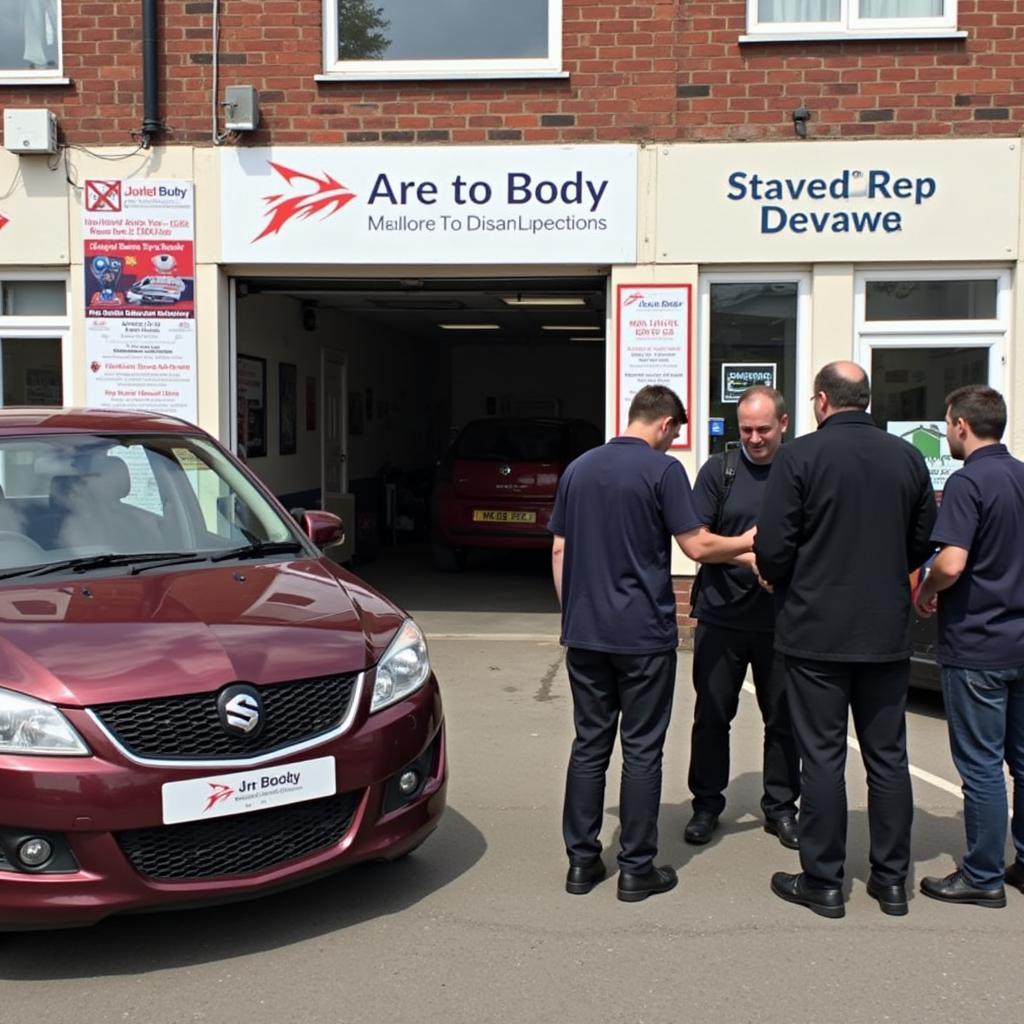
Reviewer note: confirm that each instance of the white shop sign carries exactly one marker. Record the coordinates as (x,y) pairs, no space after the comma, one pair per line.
(839,201)
(452,204)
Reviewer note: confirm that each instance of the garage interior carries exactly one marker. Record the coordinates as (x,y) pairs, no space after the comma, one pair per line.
(422,357)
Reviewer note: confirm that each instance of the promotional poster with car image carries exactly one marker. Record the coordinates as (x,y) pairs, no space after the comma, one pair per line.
(139,266)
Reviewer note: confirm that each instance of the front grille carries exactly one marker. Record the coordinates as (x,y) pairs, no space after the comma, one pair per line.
(239,844)
(189,728)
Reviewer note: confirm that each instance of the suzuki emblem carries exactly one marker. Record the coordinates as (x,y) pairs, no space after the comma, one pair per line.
(241,710)
(504,470)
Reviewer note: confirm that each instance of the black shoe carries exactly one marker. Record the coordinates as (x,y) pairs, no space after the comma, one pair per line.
(701,825)
(891,898)
(786,829)
(1015,875)
(794,889)
(633,888)
(583,877)
(955,888)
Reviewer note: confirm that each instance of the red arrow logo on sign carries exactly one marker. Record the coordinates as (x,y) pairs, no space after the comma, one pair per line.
(4,221)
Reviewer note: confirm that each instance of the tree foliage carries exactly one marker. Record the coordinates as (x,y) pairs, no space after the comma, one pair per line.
(361,28)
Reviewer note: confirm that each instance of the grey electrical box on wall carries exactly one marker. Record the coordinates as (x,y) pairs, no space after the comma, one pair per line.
(241,108)
(30,131)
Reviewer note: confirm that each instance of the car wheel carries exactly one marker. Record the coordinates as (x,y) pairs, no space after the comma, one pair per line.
(447,559)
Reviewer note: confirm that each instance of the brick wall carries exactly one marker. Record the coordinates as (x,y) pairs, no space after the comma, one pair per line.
(638,71)
(681,586)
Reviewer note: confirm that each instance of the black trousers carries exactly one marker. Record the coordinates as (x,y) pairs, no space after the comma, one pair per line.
(721,657)
(821,695)
(630,695)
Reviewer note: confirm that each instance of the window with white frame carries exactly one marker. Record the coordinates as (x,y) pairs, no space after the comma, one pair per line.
(874,18)
(34,339)
(442,38)
(30,41)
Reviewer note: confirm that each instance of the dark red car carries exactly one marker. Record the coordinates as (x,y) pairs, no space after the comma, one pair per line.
(496,484)
(195,703)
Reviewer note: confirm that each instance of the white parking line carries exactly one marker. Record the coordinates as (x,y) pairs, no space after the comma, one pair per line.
(917,773)
(531,637)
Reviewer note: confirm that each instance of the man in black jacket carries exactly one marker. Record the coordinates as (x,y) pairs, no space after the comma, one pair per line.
(846,516)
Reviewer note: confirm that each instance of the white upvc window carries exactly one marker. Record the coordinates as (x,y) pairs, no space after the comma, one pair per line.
(35,338)
(771,20)
(30,42)
(442,39)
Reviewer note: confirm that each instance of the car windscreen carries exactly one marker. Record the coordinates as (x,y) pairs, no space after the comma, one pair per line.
(511,441)
(72,496)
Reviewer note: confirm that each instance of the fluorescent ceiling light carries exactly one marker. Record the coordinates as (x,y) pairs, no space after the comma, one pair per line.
(588,337)
(469,327)
(543,300)
(570,327)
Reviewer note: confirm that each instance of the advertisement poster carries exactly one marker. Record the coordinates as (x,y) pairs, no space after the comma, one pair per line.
(653,346)
(737,377)
(139,264)
(929,438)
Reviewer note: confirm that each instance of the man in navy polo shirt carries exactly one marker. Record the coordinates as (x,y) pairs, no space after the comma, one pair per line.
(980,574)
(617,509)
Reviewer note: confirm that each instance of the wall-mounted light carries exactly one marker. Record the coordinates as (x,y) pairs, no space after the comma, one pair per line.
(800,118)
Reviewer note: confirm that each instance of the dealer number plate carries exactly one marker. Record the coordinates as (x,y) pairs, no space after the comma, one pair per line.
(215,796)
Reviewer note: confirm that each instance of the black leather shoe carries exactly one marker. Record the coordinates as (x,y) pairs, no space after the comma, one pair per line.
(1015,875)
(794,889)
(786,829)
(955,888)
(633,888)
(582,878)
(701,825)
(891,898)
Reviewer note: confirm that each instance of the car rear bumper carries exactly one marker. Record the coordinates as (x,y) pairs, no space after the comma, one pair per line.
(108,816)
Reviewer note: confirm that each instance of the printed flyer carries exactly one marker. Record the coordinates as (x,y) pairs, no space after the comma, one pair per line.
(139,264)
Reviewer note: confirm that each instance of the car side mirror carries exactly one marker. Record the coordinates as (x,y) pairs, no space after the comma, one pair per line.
(322,528)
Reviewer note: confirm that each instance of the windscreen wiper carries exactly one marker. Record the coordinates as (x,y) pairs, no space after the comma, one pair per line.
(86,563)
(259,548)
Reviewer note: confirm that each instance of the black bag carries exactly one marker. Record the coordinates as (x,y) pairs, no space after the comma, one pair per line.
(729,463)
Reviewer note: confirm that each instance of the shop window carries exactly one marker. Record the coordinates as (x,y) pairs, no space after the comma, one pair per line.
(752,331)
(448,39)
(34,338)
(874,18)
(30,40)
(931,300)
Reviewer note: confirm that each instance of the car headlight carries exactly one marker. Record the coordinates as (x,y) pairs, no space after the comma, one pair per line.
(30,726)
(403,669)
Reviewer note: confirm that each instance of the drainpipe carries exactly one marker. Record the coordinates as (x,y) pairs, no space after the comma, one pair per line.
(151,124)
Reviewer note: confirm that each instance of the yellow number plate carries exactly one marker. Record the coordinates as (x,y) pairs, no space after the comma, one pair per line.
(502,516)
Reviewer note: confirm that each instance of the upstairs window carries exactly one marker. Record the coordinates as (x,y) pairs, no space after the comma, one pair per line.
(442,38)
(30,39)
(877,19)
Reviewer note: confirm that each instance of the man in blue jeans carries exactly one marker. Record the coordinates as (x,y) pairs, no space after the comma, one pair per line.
(980,574)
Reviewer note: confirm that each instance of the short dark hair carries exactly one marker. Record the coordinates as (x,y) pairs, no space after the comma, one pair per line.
(981,407)
(654,402)
(841,392)
(770,393)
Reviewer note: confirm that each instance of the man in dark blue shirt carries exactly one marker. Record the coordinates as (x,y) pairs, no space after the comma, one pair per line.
(980,574)
(735,632)
(617,509)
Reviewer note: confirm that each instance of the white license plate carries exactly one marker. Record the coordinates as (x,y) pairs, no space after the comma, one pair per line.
(240,792)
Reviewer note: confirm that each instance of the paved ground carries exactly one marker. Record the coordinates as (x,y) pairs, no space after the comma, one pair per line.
(475,926)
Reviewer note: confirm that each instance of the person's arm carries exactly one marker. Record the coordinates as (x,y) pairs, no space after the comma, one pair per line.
(947,568)
(557,551)
(780,522)
(702,545)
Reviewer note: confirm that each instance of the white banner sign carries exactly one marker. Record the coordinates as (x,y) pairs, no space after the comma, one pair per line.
(653,346)
(139,264)
(451,204)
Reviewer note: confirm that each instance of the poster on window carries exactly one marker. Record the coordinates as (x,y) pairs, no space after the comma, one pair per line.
(737,377)
(929,438)
(139,265)
(653,346)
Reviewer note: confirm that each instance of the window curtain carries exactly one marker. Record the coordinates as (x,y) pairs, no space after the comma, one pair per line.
(797,10)
(901,8)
